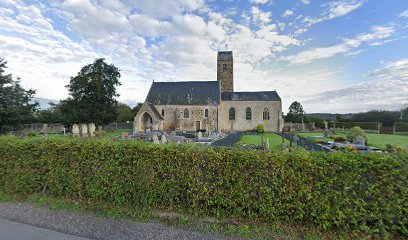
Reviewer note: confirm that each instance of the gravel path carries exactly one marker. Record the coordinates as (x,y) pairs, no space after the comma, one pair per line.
(90,226)
(228,141)
(310,146)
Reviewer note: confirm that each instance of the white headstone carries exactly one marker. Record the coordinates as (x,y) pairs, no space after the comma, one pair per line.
(163,139)
(155,139)
(200,135)
(75,130)
(84,130)
(91,129)
(359,140)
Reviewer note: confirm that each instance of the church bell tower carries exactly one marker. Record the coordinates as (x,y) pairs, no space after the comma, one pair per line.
(225,71)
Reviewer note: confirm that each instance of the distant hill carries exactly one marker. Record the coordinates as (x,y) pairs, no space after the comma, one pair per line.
(44,102)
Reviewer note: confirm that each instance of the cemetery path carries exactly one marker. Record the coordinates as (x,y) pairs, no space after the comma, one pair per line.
(25,221)
(228,141)
(310,146)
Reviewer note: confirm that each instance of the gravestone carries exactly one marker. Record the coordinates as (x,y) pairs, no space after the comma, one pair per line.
(173,133)
(45,130)
(155,139)
(65,131)
(326,125)
(83,130)
(267,143)
(148,130)
(295,139)
(163,139)
(124,135)
(200,135)
(75,130)
(91,129)
(100,132)
(359,140)
(326,133)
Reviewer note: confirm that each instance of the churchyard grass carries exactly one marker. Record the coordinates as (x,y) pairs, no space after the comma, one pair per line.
(274,139)
(374,139)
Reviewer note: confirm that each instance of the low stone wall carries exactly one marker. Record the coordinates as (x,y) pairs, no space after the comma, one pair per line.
(39,128)
(115,126)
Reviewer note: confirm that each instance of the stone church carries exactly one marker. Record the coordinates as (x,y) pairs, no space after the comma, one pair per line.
(209,105)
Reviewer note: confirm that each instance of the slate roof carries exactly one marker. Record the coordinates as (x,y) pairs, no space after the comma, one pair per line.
(154,109)
(224,56)
(250,96)
(184,93)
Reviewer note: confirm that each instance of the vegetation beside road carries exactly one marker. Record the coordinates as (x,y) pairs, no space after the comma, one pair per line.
(297,188)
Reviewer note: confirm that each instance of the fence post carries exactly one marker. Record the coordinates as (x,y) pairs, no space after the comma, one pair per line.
(393,129)
(379,128)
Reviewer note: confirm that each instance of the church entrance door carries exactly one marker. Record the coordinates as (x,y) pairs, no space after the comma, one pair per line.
(198,126)
(146,121)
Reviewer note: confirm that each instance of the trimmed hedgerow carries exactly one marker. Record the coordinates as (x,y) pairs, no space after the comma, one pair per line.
(347,191)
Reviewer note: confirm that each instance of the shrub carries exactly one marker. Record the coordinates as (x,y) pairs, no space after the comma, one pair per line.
(31,134)
(355,192)
(260,128)
(340,139)
(354,132)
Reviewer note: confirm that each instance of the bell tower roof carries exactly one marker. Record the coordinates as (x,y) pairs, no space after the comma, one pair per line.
(224,56)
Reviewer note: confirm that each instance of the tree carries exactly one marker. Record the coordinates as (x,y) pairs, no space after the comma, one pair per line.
(125,113)
(386,117)
(295,113)
(137,108)
(50,115)
(92,94)
(16,106)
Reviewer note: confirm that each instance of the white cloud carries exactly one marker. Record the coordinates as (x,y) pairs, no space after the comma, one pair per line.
(306,2)
(404,14)
(333,10)
(259,1)
(307,56)
(287,13)
(388,91)
(260,17)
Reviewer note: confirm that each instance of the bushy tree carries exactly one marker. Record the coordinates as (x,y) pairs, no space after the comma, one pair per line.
(125,113)
(386,117)
(16,106)
(137,108)
(50,115)
(92,94)
(295,113)
(354,132)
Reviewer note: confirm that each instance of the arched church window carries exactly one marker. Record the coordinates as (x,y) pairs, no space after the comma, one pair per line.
(206,113)
(231,113)
(266,114)
(248,113)
(162,112)
(224,67)
(186,113)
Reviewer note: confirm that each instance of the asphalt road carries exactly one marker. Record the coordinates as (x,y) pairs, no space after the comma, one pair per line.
(27,222)
(17,231)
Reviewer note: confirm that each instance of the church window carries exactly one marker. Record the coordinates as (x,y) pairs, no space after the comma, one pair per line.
(248,113)
(266,114)
(206,113)
(186,113)
(231,114)
(162,112)
(224,67)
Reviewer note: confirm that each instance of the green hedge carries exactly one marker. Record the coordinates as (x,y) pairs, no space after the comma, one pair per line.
(401,127)
(335,190)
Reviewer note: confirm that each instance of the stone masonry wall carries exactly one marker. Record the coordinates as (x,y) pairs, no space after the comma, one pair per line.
(174,117)
(226,78)
(240,123)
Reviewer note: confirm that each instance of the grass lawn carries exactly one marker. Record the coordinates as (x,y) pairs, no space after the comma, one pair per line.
(374,139)
(274,140)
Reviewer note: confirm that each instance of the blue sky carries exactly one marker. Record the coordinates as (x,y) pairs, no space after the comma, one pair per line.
(332,56)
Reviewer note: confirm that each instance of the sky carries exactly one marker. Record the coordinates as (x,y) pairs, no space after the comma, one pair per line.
(332,56)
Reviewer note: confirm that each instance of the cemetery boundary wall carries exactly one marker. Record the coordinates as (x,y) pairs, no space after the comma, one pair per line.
(115,126)
(355,192)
